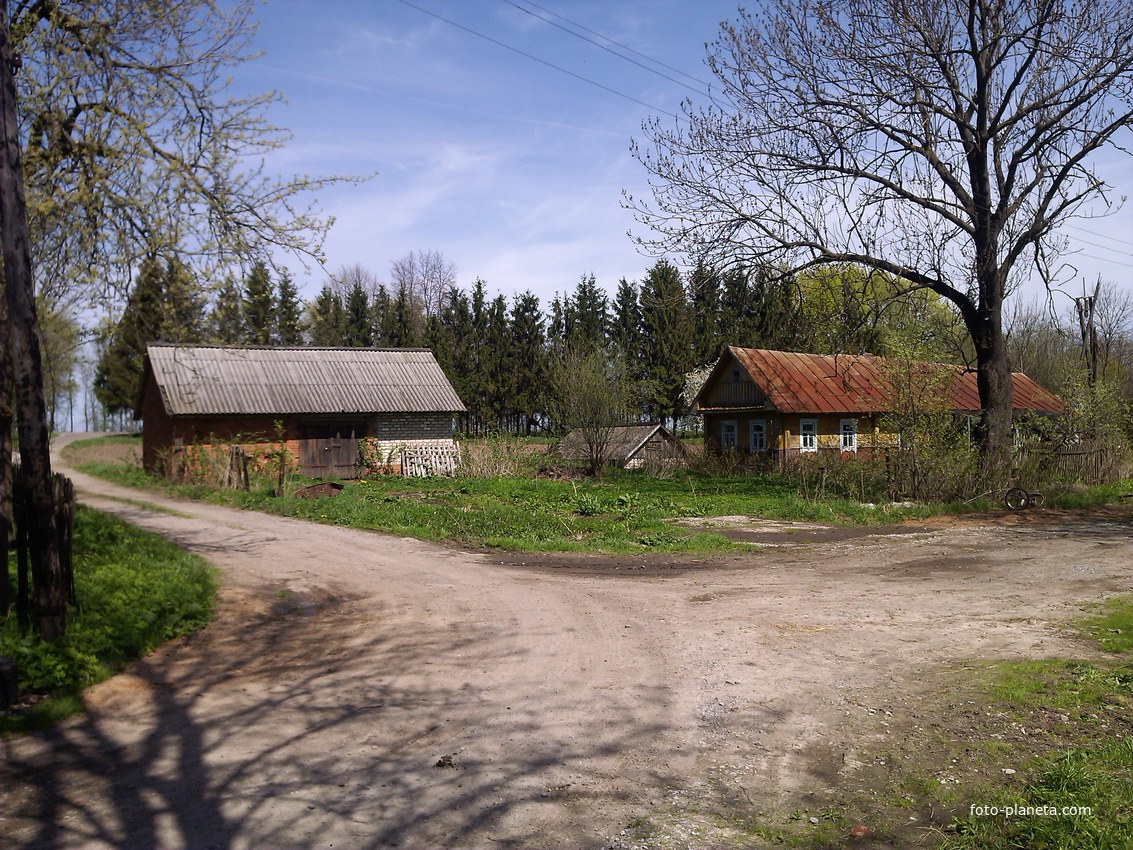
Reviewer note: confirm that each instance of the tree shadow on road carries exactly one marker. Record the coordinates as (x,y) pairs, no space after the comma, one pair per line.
(303,721)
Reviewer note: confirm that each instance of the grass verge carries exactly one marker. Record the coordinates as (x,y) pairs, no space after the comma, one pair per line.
(134,589)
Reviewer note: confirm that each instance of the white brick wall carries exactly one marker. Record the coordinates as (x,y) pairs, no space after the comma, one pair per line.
(403,427)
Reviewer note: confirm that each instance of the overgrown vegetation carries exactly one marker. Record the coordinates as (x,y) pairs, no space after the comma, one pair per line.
(135,590)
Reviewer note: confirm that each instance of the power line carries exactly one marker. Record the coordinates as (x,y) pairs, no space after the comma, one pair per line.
(536,58)
(610,51)
(1105,260)
(1100,236)
(1097,244)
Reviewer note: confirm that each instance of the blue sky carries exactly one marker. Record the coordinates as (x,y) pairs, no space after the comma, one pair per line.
(513,169)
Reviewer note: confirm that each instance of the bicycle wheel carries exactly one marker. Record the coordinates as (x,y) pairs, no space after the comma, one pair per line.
(1037,500)
(1016,499)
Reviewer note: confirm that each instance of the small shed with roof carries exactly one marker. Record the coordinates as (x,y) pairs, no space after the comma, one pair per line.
(628,446)
(781,402)
(319,402)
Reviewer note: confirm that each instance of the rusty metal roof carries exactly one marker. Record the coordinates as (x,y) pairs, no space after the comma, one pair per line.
(213,380)
(858,383)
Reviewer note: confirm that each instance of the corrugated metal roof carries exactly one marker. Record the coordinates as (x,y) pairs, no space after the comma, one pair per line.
(858,383)
(220,380)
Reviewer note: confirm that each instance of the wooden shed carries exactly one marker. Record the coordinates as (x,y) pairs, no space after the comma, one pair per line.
(629,446)
(320,401)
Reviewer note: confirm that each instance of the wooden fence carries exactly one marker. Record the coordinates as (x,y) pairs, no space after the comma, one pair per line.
(1083,463)
(417,462)
(63,495)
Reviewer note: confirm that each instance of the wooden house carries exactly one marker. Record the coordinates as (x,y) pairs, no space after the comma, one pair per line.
(779,402)
(320,402)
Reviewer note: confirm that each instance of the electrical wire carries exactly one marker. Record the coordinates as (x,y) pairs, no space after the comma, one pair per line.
(612,41)
(1100,236)
(537,59)
(577,35)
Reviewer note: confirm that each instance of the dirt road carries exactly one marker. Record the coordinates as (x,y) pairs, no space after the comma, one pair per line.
(360,690)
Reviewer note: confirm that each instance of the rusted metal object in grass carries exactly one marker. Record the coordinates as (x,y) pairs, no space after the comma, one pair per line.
(318,491)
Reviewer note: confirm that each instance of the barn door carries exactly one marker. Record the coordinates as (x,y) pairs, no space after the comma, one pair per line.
(329,452)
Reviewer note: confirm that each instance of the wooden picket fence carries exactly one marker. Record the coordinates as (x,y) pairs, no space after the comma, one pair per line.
(418,462)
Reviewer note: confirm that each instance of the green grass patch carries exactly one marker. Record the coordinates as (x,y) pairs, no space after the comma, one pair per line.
(1111,625)
(1080,798)
(134,590)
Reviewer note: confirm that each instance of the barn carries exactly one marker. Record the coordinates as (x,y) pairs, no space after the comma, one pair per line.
(320,402)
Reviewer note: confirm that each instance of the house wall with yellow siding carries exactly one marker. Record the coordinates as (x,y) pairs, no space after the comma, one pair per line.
(782,430)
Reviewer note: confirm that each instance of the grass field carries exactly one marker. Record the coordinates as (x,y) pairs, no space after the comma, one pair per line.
(1076,764)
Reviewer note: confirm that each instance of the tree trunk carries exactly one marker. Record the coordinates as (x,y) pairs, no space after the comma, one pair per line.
(49,601)
(993,379)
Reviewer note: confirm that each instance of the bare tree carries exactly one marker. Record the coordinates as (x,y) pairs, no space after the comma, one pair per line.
(591,395)
(943,143)
(426,276)
(1113,316)
(348,276)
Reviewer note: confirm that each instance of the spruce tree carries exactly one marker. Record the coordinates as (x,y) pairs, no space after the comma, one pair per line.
(529,356)
(226,322)
(704,295)
(498,365)
(590,304)
(182,305)
(359,326)
(403,330)
(164,306)
(381,317)
(668,340)
(120,366)
(326,324)
(259,306)
(288,312)
(457,319)
(625,326)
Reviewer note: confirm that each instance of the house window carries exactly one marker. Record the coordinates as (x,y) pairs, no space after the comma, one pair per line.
(848,429)
(808,435)
(758,442)
(728,436)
